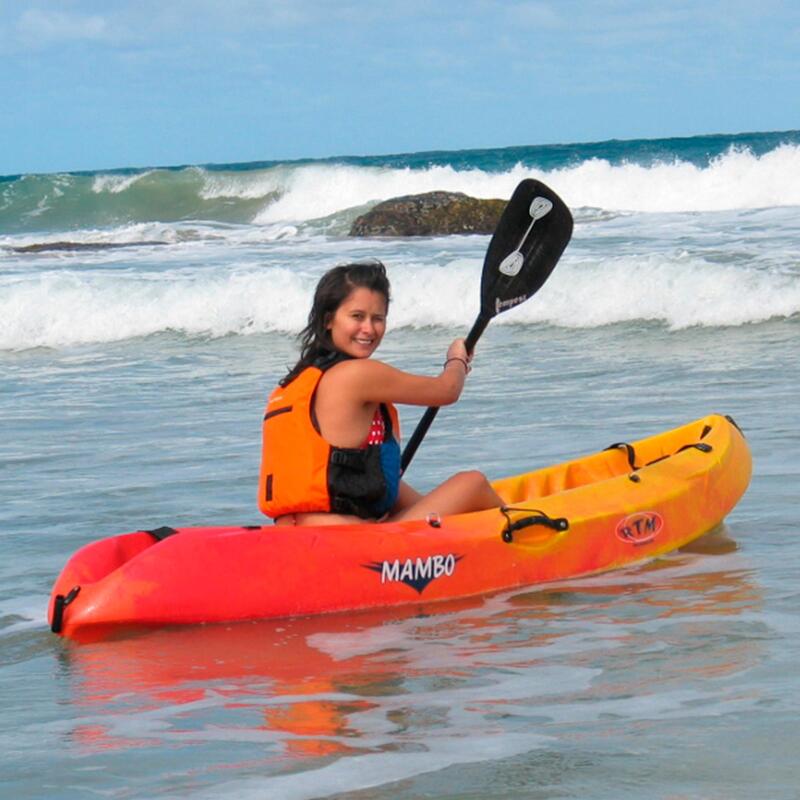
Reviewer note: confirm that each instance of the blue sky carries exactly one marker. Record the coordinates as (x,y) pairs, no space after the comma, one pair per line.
(95,85)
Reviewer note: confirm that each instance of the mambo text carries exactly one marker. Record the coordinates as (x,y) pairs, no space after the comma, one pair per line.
(641,527)
(415,572)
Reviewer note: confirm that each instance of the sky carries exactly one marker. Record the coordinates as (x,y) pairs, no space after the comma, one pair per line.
(101,84)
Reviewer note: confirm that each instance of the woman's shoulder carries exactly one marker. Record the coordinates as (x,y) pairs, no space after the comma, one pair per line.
(354,380)
(358,368)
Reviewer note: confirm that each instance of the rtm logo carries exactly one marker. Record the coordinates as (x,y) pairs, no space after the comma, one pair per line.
(415,572)
(640,528)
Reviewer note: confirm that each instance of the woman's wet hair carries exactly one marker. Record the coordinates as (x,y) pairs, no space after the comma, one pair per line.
(334,287)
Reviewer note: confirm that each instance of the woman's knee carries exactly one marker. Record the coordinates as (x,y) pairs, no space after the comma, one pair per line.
(474,487)
(471,479)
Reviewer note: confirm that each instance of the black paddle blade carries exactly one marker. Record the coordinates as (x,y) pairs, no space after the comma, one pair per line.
(533,231)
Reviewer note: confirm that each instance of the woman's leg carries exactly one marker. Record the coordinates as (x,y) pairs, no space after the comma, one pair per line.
(464,492)
(407,496)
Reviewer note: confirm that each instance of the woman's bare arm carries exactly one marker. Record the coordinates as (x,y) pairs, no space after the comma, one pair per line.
(371,381)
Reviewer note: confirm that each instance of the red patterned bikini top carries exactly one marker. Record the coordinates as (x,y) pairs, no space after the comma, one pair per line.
(377,430)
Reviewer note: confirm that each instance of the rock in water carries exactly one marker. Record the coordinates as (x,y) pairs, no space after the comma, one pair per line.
(76,247)
(429,214)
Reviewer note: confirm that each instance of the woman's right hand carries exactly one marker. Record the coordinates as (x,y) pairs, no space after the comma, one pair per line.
(457,354)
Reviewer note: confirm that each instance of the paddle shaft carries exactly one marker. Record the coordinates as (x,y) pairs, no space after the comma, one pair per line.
(511,274)
(430,414)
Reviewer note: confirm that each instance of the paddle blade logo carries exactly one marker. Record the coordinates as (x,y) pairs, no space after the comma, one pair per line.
(503,305)
(514,261)
(512,264)
(640,528)
(415,572)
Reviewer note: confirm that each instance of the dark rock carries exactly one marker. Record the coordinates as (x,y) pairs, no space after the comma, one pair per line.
(429,214)
(75,247)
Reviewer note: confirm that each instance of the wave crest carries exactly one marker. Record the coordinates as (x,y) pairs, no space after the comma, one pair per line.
(314,192)
(63,308)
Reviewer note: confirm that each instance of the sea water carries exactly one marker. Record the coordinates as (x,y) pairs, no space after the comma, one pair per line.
(144,316)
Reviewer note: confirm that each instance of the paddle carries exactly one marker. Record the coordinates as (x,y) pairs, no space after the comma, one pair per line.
(529,239)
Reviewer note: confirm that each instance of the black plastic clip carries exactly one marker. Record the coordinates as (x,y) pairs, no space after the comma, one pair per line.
(629,452)
(733,422)
(701,446)
(159,534)
(59,604)
(539,518)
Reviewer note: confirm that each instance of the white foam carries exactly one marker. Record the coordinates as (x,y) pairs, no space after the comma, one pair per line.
(246,185)
(67,308)
(61,307)
(115,184)
(736,180)
(146,233)
(680,291)
(30,611)
(317,191)
(378,769)
(124,234)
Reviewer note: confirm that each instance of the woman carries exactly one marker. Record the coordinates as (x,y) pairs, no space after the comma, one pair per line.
(330,453)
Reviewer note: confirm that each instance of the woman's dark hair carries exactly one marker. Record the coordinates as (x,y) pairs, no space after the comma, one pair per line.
(333,289)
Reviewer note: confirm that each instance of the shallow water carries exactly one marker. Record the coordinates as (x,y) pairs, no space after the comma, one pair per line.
(132,384)
(652,682)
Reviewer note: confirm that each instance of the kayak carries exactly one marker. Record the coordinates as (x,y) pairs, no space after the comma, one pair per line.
(626,504)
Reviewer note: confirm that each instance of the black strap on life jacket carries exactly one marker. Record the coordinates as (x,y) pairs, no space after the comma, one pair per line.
(330,358)
(324,361)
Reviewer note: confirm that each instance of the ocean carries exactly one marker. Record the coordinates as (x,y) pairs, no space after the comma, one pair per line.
(146,313)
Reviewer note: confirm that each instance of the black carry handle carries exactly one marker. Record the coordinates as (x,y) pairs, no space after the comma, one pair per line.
(530,237)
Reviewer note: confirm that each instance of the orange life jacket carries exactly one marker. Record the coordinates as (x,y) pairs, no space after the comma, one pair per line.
(301,471)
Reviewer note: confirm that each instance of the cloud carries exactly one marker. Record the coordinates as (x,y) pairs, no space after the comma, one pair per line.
(535,14)
(156,18)
(37,28)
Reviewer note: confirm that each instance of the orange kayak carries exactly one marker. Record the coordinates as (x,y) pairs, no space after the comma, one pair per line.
(626,504)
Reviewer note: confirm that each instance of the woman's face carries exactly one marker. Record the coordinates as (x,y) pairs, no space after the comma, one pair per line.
(359,323)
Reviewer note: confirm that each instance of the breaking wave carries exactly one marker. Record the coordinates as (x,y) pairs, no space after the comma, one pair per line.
(330,193)
(69,307)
